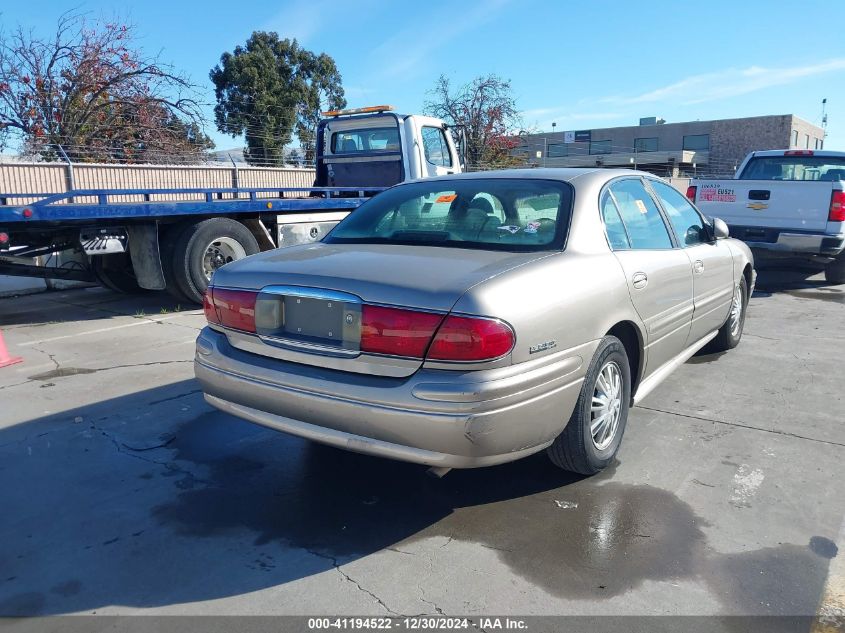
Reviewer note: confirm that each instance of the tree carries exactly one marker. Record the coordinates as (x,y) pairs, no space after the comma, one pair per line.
(89,90)
(486,108)
(271,88)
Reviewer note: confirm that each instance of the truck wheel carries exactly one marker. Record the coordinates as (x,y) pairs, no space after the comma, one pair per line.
(114,271)
(592,436)
(731,332)
(205,246)
(835,271)
(167,247)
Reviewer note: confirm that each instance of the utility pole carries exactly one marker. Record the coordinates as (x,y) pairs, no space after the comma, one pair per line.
(824,120)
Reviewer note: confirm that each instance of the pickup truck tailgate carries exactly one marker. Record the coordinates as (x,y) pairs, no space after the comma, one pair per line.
(801,206)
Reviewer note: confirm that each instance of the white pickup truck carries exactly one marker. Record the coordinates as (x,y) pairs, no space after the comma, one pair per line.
(786,202)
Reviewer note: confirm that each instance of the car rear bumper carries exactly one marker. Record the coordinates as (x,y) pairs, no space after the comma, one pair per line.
(455,419)
(825,244)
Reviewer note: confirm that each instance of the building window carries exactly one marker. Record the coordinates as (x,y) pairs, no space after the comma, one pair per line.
(697,142)
(806,141)
(558,150)
(645,144)
(600,147)
(794,138)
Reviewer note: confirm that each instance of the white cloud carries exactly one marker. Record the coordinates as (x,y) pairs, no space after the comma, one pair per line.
(408,49)
(731,82)
(303,19)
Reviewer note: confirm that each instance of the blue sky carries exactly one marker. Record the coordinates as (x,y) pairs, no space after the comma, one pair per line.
(580,64)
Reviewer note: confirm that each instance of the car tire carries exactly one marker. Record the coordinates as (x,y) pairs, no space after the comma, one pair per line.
(834,272)
(581,447)
(221,240)
(114,271)
(730,333)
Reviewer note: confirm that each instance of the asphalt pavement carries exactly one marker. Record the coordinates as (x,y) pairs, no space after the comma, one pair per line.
(122,492)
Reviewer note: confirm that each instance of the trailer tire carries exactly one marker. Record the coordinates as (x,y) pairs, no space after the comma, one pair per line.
(202,247)
(167,248)
(114,271)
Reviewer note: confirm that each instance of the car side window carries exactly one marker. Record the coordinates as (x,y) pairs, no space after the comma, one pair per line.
(686,221)
(644,224)
(435,147)
(616,235)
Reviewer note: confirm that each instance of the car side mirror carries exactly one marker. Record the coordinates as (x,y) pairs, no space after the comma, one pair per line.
(720,229)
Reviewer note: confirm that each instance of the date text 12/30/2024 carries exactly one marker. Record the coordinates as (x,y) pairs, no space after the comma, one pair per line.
(419,623)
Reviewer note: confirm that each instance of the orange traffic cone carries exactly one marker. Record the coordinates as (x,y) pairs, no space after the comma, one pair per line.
(5,359)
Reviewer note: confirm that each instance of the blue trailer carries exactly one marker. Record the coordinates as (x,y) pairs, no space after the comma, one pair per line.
(132,240)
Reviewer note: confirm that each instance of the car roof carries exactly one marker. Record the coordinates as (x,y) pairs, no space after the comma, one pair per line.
(564,174)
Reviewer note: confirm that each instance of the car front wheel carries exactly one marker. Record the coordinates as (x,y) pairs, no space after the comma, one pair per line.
(591,438)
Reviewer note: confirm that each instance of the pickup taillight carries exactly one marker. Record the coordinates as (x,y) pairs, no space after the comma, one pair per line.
(691,191)
(837,207)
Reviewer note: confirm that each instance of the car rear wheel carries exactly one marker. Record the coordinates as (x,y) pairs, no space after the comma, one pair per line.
(203,247)
(591,438)
(730,333)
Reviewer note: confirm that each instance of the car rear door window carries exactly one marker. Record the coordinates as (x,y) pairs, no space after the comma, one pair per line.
(639,212)
(616,235)
(685,220)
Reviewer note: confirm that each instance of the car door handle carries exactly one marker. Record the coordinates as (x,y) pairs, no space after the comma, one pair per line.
(639,280)
(698,266)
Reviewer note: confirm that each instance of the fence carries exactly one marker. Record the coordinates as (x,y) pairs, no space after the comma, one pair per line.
(46,178)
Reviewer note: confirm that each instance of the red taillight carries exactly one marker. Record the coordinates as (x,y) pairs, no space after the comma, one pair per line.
(837,207)
(232,308)
(799,152)
(471,339)
(4,238)
(691,192)
(208,306)
(396,331)
(27,213)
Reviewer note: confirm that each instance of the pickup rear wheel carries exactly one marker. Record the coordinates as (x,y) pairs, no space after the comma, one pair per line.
(835,271)
(114,271)
(202,247)
(589,442)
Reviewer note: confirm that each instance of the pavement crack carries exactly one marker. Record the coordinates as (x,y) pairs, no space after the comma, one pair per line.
(123,449)
(348,578)
(741,426)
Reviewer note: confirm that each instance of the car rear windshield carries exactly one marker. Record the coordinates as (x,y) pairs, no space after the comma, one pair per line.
(826,168)
(486,213)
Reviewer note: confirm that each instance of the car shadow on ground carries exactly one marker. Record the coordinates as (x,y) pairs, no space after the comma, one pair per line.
(153,499)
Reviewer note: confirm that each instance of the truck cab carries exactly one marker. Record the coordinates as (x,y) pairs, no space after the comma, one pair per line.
(376,147)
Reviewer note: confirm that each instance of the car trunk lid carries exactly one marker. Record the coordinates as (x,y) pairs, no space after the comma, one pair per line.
(312,296)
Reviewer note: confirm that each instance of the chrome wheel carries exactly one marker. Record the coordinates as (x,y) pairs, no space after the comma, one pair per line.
(606,407)
(219,253)
(735,317)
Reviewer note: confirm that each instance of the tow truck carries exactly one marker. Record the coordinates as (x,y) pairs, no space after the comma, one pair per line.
(174,239)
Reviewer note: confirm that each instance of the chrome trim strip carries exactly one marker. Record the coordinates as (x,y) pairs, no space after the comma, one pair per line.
(311,293)
(311,348)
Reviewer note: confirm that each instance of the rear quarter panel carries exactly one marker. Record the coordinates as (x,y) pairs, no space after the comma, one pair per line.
(564,301)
